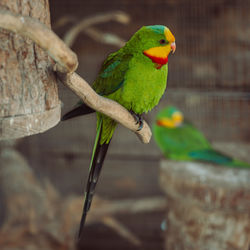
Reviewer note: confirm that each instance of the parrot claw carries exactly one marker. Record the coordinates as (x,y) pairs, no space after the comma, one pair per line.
(138,119)
(140,125)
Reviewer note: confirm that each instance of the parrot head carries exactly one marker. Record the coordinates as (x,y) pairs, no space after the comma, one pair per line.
(169,117)
(154,42)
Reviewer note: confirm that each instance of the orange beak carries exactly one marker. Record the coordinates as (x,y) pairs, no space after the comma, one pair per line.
(170,37)
(173,47)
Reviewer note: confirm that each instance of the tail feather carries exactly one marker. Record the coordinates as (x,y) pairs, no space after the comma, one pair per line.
(98,156)
(216,157)
(83,109)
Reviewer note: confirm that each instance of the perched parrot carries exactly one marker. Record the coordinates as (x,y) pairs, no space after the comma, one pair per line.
(180,140)
(134,76)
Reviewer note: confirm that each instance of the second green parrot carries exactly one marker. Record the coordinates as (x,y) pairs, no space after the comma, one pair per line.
(180,140)
(135,76)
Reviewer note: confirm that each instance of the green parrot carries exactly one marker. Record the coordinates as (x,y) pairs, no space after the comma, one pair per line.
(134,76)
(180,140)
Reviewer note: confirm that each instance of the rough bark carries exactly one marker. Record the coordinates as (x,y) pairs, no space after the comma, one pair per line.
(208,206)
(29,101)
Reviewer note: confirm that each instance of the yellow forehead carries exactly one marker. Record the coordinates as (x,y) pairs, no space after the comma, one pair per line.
(169,36)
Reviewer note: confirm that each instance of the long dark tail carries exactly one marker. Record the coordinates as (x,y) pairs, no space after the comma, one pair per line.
(83,109)
(98,156)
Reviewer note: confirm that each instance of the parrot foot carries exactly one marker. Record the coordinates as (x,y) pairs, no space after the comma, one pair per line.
(138,119)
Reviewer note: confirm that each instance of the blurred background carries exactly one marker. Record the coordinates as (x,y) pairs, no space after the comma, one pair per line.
(209,80)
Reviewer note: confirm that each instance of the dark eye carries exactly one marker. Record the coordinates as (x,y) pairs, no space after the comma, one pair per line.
(163,41)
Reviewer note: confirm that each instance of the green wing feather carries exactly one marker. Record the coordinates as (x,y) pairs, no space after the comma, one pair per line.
(112,73)
(110,79)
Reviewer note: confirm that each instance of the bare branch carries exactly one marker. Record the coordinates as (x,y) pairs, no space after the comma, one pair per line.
(102,207)
(71,35)
(107,38)
(63,21)
(42,36)
(121,229)
(67,62)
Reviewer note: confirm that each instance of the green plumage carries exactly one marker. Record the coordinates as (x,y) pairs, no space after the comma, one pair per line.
(185,142)
(132,79)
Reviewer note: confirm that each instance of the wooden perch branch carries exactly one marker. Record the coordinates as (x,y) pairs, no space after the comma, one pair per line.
(67,63)
(104,105)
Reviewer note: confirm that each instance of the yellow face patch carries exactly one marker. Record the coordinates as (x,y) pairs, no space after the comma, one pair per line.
(175,121)
(165,122)
(159,52)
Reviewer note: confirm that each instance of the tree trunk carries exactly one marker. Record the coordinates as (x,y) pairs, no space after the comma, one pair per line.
(29,101)
(208,206)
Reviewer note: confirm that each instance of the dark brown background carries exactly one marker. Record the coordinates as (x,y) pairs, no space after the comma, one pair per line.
(209,79)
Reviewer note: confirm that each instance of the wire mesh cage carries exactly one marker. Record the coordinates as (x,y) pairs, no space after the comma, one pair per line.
(209,76)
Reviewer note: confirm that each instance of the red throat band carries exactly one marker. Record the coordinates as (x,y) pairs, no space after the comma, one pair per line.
(158,60)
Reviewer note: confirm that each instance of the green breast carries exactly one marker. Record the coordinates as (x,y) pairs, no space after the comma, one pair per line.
(144,85)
